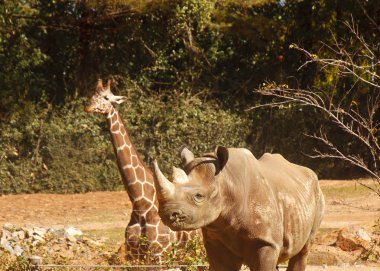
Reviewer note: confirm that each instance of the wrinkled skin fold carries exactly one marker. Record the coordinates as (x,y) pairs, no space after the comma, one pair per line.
(259,212)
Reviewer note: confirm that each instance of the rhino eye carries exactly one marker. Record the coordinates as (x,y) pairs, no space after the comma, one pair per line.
(198,198)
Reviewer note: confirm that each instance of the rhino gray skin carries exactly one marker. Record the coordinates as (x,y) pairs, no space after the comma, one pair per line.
(257,212)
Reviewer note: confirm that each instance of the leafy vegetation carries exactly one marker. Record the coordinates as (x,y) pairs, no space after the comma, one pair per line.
(67,150)
(189,68)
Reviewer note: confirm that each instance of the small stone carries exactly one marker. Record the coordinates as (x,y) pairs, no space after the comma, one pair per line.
(20,234)
(38,238)
(71,239)
(35,243)
(6,234)
(91,243)
(28,232)
(35,260)
(71,231)
(362,234)
(51,231)
(18,250)
(39,231)
(58,233)
(8,227)
(6,245)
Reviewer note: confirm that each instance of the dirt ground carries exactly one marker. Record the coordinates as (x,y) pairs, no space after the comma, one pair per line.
(107,213)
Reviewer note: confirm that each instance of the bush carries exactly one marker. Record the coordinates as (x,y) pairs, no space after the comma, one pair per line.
(65,150)
(55,150)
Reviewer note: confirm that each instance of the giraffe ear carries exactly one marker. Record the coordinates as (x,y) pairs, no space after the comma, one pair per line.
(108,86)
(119,99)
(99,86)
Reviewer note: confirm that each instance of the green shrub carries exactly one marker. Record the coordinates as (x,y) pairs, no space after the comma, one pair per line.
(161,124)
(65,150)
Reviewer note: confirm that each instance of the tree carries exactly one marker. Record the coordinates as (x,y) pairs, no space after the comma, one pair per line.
(353,131)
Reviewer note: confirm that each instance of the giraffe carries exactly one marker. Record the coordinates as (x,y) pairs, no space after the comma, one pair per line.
(145,235)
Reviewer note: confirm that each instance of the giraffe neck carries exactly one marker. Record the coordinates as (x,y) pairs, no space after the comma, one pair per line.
(137,178)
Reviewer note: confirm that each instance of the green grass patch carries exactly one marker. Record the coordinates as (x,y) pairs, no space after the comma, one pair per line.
(113,236)
(351,190)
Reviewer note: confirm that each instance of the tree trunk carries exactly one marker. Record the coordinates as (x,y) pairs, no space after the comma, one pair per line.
(84,66)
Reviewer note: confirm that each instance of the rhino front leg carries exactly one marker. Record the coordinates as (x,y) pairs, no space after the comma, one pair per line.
(220,258)
(265,259)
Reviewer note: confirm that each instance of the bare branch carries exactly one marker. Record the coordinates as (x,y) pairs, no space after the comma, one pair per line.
(357,121)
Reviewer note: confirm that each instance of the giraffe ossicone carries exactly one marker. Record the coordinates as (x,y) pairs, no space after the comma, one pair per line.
(145,223)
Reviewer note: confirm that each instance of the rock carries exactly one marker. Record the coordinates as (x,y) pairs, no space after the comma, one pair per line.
(362,234)
(8,227)
(21,235)
(73,232)
(18,235)
(323,257)
(39,231)
(71,239)
(35,260)
(6,234)
(353,238)
(52,231)
(28,232)
(35,243)
(18,250)
(57,233)
(7,246)
(322,254)
(38,238)
(328,239)
(91,243)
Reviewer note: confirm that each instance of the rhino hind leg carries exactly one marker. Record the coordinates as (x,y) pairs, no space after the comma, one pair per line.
(298,262)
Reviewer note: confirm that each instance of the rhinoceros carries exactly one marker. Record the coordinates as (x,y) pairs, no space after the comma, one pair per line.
(258,212)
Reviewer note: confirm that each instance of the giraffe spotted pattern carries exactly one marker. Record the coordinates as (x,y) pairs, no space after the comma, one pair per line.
(146,237)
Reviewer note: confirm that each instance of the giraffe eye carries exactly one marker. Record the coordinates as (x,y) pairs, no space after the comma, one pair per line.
(106,97)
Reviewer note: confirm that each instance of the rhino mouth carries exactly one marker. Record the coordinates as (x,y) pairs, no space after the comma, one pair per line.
(176,219)
(177,225)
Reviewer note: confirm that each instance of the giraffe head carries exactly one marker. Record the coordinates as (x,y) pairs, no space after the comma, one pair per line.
(101,101)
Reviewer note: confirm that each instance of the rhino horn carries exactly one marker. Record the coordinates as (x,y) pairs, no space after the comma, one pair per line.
(165,189)
(179,176)
(186,156)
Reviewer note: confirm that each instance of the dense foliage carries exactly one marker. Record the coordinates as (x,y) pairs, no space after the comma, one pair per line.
(188,67)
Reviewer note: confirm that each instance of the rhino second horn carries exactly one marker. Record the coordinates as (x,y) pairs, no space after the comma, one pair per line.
(179,176)
(163,186)
(186,156)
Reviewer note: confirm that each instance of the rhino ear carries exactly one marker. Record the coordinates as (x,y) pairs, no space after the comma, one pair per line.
(186,155)
(222,154)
